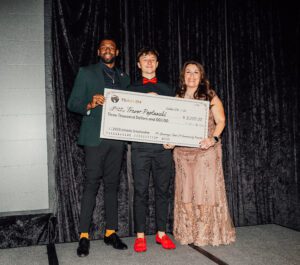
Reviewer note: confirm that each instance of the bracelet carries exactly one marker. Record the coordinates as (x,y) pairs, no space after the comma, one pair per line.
(216,138)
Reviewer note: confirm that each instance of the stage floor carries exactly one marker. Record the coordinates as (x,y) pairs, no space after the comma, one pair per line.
(255,245)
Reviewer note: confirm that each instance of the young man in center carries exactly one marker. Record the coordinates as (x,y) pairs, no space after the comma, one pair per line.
(147,157)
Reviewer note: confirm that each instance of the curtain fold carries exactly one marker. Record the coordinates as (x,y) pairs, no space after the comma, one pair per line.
(263,101)
(24,230)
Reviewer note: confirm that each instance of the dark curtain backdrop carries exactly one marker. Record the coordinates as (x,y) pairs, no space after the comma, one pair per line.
(250,49)
(262,105)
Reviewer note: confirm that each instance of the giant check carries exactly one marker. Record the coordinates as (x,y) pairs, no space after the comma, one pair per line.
(149,118)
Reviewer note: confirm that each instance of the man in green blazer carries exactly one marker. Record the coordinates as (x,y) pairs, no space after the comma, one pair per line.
(103,157)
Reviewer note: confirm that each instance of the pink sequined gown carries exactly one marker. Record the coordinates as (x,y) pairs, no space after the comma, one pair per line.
(201,215)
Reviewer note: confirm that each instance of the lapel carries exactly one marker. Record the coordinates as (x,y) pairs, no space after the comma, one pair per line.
(122,78)
(98,69)
(120,73)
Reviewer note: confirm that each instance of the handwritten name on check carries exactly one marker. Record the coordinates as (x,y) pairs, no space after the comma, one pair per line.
(139,117)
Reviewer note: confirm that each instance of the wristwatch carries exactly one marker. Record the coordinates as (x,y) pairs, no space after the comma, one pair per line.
(216,138)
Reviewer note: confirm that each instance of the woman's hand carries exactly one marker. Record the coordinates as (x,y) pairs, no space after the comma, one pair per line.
(207,143)
(169,146)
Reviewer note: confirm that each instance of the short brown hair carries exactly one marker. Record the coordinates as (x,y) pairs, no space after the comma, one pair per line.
(146,51)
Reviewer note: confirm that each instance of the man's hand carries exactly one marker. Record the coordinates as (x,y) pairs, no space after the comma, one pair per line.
(97,100)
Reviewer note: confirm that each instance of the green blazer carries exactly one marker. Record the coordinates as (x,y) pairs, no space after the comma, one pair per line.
(90,81)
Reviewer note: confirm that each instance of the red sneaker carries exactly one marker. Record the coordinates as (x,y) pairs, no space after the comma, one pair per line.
(140,245)
(165,241)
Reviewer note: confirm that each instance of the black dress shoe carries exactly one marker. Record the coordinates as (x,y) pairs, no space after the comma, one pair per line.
(115,241)
(83,247)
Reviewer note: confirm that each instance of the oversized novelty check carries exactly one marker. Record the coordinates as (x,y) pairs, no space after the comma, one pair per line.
(149,118)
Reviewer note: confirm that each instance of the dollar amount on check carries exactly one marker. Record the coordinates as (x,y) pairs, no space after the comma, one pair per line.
(149,118)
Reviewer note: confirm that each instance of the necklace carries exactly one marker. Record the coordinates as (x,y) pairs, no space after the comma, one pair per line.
(190,96)
(112,77)
(190,93)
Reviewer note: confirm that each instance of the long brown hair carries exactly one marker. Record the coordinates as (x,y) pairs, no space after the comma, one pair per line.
(204,90)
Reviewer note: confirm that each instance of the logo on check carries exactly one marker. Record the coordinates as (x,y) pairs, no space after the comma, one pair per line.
(114,98)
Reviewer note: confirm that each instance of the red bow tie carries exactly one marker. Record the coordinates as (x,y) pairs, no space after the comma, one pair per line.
(152,80)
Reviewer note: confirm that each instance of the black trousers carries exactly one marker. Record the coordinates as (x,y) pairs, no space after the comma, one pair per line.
(104,161)
(160,163)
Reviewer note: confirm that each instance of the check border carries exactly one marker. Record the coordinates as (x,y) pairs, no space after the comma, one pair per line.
(103,134)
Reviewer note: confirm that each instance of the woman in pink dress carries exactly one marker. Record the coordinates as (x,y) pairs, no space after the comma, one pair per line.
(201,215)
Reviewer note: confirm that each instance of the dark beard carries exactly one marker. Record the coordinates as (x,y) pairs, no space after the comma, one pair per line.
(112,60)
